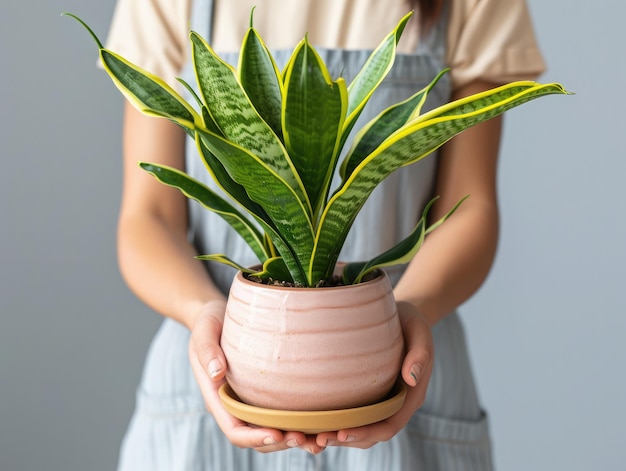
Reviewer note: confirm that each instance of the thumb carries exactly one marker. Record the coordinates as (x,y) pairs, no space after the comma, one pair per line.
(205,345)
(418,340)
(415,366)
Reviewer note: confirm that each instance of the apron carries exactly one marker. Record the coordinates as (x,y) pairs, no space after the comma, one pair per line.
(171,428)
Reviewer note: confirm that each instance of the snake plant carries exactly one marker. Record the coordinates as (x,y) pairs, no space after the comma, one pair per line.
(272,141)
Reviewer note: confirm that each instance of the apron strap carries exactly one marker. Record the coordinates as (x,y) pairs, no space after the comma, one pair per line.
(202,18)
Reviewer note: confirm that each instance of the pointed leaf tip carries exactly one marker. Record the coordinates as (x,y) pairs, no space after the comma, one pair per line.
(86,26)
(252,16)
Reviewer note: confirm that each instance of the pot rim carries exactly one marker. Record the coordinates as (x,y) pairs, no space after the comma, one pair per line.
(380,274)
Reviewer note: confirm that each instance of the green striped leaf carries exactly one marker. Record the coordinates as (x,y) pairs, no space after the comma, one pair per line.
(411,143)
(354,272)
(225,260)
(261,80)
(385,124)
(372,74)
(274,269)
(270,191)
(313,114)
(148,93)
(229,186)
(236,117)
(144,90)
(272,238)
(401,253)
(210,200)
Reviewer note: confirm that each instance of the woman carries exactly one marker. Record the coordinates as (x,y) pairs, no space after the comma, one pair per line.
(441,424)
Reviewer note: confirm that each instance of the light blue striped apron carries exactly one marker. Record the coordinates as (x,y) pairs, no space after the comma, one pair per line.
(171,429)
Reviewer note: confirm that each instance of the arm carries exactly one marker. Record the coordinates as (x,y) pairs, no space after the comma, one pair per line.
(449,268)
(155,258)
(157,261)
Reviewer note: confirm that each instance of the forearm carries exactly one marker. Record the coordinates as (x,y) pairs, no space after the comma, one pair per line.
(159,267)
(453,263)
(155,257)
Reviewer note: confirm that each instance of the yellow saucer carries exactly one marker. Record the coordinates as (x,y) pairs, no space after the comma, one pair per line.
(312,422)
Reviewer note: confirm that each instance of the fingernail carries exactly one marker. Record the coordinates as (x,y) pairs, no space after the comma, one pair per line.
(215,368)
(293,443)
(331,442)
(350,438)
(269,441)
(415,372)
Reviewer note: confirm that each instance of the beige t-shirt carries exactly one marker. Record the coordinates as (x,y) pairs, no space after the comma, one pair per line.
(490,40)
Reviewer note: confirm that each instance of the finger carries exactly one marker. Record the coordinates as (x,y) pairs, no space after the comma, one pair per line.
(238,432)
(205,338)
(417,363)
(415,366)
(369,435)
(311,446)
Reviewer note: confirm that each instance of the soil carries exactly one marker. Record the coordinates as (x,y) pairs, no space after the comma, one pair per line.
(332,283)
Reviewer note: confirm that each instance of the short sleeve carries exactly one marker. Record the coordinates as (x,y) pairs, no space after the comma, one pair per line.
(492,40)
(152,34)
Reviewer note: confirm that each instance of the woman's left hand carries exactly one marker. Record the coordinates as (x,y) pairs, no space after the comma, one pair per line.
(416,370)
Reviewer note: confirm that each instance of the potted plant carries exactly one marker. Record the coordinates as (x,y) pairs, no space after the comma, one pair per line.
(273,140)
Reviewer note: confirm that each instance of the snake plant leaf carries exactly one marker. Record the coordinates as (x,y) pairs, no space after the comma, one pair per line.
(444,218)
(210,200)
(191,91)
(354,272)
(386,123)
(269,246)
(144,90)
(401,253)
(372,74)
(272,238)
(206,116)
(207,119)
(274,269)
(521,91)
(287,212)
(225,260)
(314,109)
(436,127)
(409,144)
(240,122)
(241,225)
(229,186)
(261,80)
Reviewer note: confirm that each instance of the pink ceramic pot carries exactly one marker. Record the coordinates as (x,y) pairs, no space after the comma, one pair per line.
(312,348)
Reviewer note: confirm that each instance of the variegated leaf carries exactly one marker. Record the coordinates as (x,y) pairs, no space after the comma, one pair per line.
(372,74)
(261,80)
(265,187)
(210,200)
(385,124)
(313,114)
(411,143)
(236,117)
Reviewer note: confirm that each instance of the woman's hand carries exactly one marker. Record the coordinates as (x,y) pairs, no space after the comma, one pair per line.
(209,367)
(416,370)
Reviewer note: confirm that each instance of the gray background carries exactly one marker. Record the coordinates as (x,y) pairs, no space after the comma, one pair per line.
(546,331)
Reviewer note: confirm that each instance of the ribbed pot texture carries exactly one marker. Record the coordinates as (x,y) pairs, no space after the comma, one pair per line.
(312,348)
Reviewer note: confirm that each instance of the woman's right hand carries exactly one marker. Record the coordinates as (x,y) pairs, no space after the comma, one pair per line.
(209,368)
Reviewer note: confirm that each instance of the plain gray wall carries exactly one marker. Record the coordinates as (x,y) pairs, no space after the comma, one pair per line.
(546,332)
